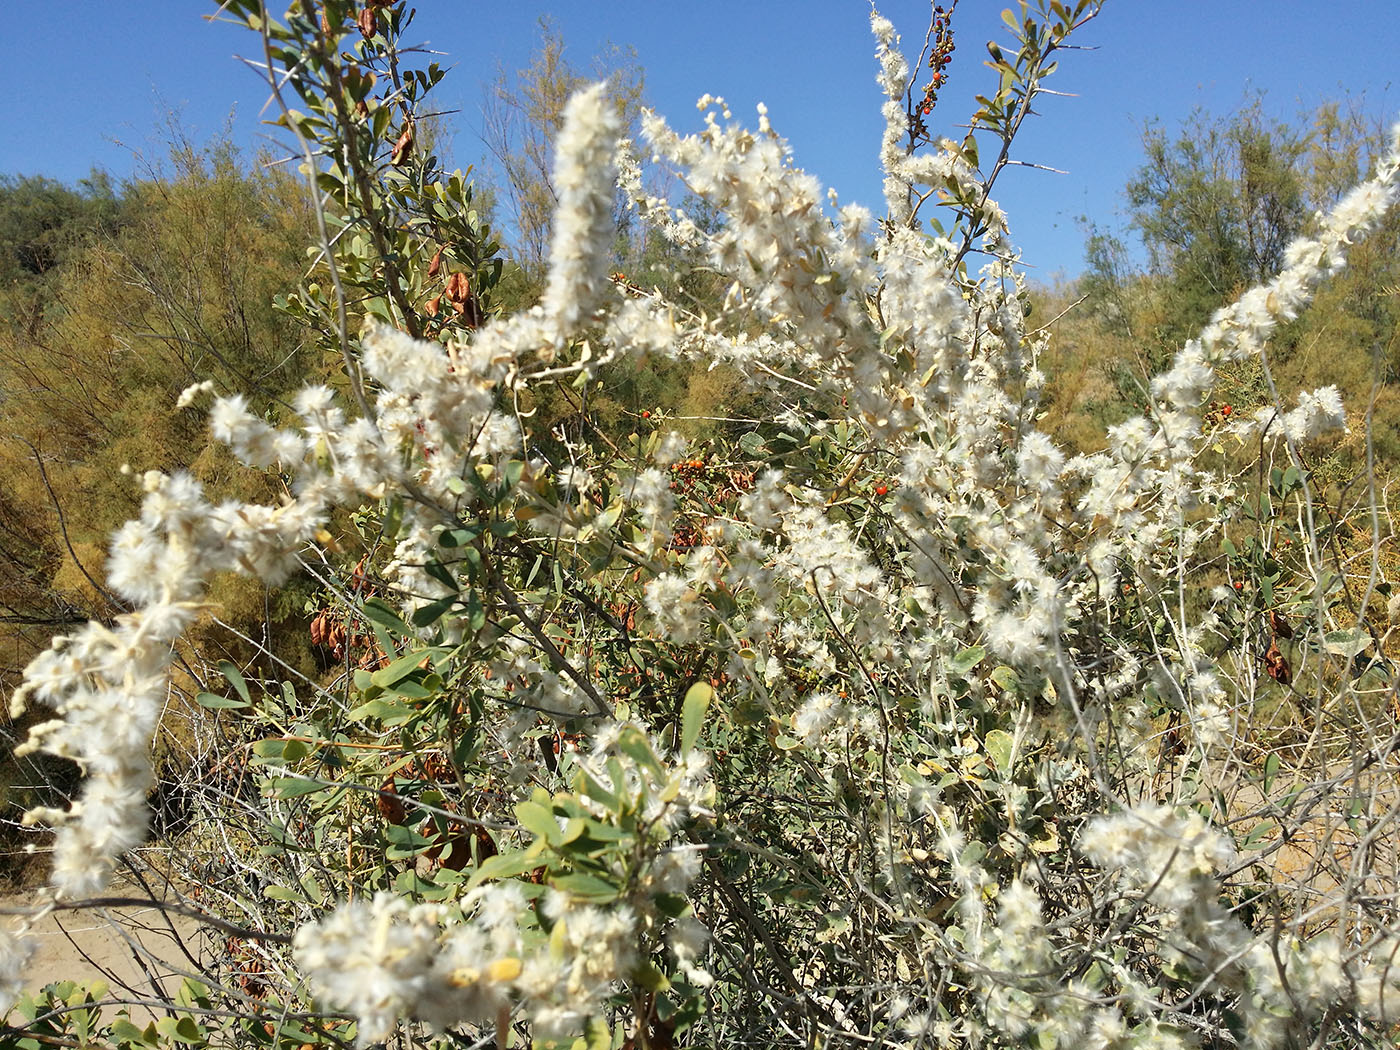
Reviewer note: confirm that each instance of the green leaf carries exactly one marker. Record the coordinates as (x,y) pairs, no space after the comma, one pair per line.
(387,711)
(651,977)
(587,886)
(1005,677)
(597,1036)
(1270,769)
(123,1031)
(606,520)
(187,1031)
(1261,831)
(294,787)
(966,660)
(752,444)
(400,668)
(235,679)
(431,613)
(633,743)
(693,707)
(973,853)
(671,904)
(295,750)
(268,749)
(1351,642)
(282,893)
(458,537)
(182,1029)
(1000,745)
(413,690)
(476,613)
(504,866)
(404,842)
(538,819)
(440,572)
(587,785)
(378,611)
(217,702)
(291,1033)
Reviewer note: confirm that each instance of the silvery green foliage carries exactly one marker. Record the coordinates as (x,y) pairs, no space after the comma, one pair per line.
(944,653)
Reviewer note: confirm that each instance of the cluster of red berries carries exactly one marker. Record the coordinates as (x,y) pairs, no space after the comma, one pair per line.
(940,55)
(687,472)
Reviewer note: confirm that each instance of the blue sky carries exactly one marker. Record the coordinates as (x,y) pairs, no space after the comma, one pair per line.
(91,81)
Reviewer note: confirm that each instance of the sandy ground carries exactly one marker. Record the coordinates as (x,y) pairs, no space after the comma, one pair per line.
(138,951)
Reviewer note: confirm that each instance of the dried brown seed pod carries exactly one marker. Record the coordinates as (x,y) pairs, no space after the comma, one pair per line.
(1277,666)
(367,23)
(459,292)
(403,147)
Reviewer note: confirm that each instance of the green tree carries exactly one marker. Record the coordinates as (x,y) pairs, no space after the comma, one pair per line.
(524,114)
(1215,205)
(42,220)
(179,292)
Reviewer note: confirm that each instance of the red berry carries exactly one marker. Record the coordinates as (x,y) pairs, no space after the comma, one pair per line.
(1225,410)
(881,490)
(1239,585)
